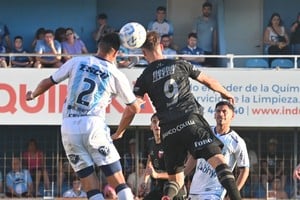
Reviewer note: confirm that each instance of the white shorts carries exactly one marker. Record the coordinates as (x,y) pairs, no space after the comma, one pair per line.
(87,141)
(203,197)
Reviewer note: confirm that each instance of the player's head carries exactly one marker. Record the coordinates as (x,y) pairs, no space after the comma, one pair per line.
(109,44)
(152,47)
(224,112)
(154,126)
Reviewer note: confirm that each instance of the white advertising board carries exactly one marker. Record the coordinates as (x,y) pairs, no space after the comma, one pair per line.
(264,98)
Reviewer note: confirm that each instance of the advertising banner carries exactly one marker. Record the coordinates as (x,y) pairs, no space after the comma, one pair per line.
(264,98)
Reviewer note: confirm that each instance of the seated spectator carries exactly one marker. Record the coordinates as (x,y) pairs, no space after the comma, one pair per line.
(295,36)
(272,164)
(39,35)
(167,50)
(72,45)
(35,162)
(18,180)
(124,61)
(276,190)
(60,34)
(48,46)
(193,49)
(5,37)
(3,63)
(20,61)
(75,191)
(65,174)
(109,192)
(135,179)
(276,39)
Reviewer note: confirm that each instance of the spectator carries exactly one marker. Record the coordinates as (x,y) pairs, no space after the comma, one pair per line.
(126,62)
(193,49)
(167,49)
(135,179)
(5,37)
(39,35)
(206,28)
(60,34)
(3,63)
(48,46)
(276,190)
(72,45)
(272,164)
(18,180)
(296,172)
(276,39)
(295,36)
(75,191)
(103,27)
(35,162)
(20,61)
(160,24)
(65,172)
(130,158)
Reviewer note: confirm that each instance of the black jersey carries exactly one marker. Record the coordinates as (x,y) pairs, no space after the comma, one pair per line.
(167,83)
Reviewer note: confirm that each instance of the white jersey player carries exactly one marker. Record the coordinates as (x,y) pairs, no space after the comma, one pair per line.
(205,184)
(93,81)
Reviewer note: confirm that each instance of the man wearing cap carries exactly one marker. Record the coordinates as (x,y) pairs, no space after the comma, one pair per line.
(272,164)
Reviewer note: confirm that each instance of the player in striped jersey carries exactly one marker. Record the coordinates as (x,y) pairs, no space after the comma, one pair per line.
(205,183)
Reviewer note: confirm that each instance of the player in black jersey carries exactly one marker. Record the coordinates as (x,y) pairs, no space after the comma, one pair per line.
(155,168)
(183,128)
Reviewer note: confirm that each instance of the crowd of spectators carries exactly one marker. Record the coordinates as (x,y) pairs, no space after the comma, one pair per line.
(278,39)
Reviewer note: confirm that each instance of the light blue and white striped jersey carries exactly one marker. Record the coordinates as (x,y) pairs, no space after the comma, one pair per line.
(92,83)
(205,181)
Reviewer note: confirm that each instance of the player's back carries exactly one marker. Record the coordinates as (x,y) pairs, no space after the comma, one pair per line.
(91,85)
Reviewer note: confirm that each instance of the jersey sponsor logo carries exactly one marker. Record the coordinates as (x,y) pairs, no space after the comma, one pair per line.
(178,128)
(201,143)
(163,72)
(206,168)
(160,154)
(93,70)
(73,158)
(104,150)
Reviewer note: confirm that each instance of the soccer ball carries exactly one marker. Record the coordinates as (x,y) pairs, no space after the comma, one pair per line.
(133,35)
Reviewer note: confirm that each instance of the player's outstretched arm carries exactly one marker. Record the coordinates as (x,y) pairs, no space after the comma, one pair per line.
(215,85)
(42,87)
(127,117)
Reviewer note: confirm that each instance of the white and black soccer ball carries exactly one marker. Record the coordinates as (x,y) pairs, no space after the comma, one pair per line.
(133,35)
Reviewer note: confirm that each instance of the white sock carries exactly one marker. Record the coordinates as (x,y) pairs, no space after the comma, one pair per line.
(97,197)
(125,194)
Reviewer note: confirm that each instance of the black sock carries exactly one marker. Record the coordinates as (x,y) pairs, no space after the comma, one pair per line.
(171,189)
(227,180)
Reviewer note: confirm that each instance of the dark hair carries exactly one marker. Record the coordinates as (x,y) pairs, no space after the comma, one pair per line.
(102,16)
(49,31)
(154,115)
(161,8)
(225,103)
(39,31)
(206,4)
(18,37)
(110,41)
(152,40)
(194,35)
(165,35)
(69,29)
(275,15)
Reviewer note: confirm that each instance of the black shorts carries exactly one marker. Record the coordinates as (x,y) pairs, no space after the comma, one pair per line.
(191,134)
